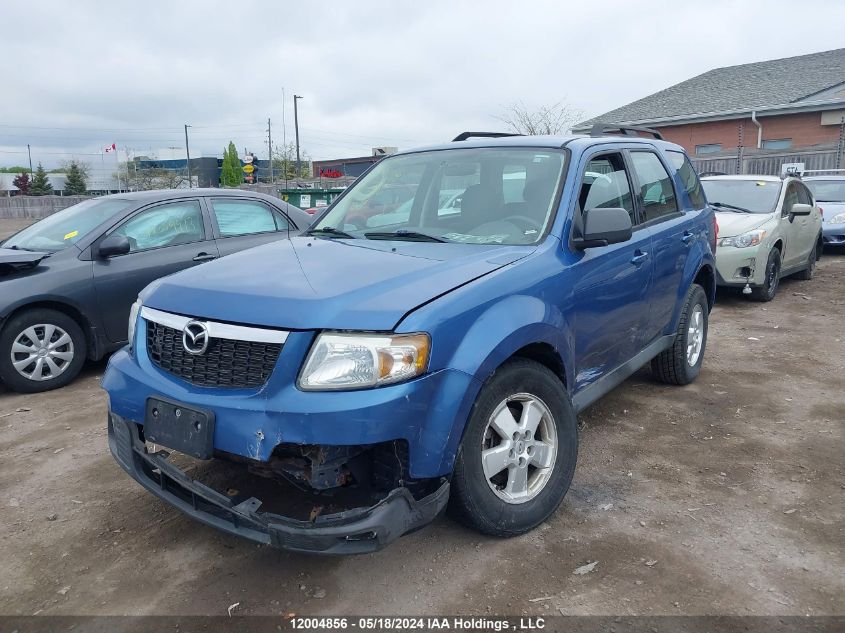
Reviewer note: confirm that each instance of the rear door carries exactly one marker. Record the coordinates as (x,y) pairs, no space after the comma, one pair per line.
(164,238)
(613,287)
(241,223)
(670,236)
(792,253)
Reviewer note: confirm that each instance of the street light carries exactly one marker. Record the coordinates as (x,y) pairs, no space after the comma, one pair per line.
(188,154)
(296,127)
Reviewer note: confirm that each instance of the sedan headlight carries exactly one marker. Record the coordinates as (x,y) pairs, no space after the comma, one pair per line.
(838,219)
(133,319)
(752,238)
(357,361)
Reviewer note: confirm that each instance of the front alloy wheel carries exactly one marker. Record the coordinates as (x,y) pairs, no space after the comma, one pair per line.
(519,448)
(517,456)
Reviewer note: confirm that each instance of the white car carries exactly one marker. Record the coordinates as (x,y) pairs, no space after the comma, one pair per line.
(769,227)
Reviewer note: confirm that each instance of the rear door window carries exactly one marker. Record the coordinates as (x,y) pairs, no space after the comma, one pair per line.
(657,195)
(246,217)
(689,178)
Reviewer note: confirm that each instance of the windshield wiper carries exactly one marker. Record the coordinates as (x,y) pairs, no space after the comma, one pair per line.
(731,207)
(404,234)
(331,232)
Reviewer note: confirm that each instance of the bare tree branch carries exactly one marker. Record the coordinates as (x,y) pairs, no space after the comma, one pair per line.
(556,118)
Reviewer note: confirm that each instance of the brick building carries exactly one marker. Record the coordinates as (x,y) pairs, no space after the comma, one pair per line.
(784,105)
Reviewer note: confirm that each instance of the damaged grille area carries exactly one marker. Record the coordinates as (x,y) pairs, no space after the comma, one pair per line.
(226,362)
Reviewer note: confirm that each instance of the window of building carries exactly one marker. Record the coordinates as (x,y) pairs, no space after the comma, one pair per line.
(709,148)
(688,176)
(778,143)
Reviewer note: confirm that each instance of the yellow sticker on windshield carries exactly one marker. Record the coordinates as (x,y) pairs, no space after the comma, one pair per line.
(71,234)
(761,183)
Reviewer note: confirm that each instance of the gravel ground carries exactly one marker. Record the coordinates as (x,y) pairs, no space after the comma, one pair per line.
(722,497)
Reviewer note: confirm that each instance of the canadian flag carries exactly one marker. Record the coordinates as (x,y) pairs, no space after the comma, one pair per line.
(111,148)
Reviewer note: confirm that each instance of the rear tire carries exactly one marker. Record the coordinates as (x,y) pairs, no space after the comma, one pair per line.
(769,288)
(41,349)
(507,478)
(681,363)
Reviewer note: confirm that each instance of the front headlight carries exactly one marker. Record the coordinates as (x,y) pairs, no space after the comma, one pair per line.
(752,238)
(356,361)
(133,319)
(838,219)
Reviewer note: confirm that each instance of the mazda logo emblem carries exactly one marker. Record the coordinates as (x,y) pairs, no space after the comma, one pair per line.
(195,337)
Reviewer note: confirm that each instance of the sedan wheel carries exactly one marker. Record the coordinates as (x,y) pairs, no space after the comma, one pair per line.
(42,352)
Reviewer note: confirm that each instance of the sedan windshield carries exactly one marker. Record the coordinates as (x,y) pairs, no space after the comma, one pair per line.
(827,190)
(755,196)
(67,226)
(473,196)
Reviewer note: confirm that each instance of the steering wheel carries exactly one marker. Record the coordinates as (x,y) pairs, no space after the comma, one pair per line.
(523,222)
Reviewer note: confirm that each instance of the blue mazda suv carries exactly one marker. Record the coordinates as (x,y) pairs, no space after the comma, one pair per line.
(426,344)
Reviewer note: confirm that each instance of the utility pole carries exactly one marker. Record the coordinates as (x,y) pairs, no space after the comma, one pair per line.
(188,154)
(296,128)
(284,139)
(29,153)
(270,146)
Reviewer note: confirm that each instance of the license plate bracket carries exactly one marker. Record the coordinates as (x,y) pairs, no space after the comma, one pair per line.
(189,430)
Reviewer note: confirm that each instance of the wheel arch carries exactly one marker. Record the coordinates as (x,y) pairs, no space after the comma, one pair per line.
(706,278)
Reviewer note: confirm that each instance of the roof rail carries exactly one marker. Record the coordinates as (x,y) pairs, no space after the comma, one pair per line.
(606,129)
(465,135)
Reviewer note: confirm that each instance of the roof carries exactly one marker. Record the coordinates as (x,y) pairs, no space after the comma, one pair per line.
(551,142)
(745,177)
(786,83)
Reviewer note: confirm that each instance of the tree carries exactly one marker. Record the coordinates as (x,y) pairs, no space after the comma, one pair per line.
(40,185)
(76,175)
(557,118)
(284,162)
(144,179)
(22,183)
(231,174)
(14,169)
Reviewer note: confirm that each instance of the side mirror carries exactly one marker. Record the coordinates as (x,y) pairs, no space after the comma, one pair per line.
(113,245)
(603,226)
(801,209)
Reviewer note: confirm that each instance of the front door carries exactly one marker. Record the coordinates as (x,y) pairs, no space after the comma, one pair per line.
(611,293)
(164,239)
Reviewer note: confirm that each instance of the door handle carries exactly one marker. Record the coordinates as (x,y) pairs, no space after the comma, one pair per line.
(639,258)
(687,237)
(203,257)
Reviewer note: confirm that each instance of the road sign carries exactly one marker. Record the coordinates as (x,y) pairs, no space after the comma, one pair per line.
(248,169)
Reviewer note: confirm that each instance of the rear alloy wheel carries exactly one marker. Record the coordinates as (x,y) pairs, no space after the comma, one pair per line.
(40,350)
(770,286)
(518,453)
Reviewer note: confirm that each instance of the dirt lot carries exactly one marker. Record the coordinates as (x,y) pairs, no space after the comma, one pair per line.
(723,497)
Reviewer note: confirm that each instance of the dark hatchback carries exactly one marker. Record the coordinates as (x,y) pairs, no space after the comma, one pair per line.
(67,282)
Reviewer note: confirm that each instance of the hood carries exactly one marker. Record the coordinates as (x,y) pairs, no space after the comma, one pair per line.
(732,224)
(13,256)
(314,283)
(12,259)
(831,209)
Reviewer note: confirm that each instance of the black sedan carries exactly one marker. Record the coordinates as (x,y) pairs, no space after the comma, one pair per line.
(67,282)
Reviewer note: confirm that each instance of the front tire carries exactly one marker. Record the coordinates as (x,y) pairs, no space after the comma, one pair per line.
(681,363)
(41,349)
(518,453)
(770,286)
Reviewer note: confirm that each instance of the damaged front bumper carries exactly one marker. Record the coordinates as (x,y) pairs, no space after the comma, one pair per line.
(354,531)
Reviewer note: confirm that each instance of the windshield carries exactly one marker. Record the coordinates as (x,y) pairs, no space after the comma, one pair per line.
(827,190)
(756,196)
(67,226)
(474,196)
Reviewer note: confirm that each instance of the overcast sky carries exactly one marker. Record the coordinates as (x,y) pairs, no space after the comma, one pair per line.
(81,75)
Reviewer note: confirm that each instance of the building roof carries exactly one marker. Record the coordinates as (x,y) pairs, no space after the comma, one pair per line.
(785,83)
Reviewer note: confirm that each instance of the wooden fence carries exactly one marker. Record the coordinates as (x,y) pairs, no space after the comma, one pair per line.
(769,162)
(36,206)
